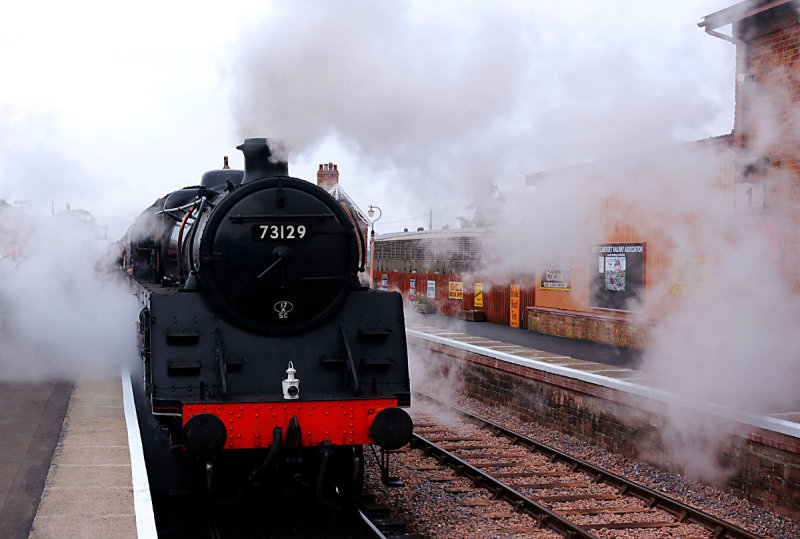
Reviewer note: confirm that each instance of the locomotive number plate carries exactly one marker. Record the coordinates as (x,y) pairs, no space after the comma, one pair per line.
(279,232)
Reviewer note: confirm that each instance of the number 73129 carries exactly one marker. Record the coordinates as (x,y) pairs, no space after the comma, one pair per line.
(281,232)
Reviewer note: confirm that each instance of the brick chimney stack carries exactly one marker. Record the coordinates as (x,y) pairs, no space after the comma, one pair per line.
(327,176)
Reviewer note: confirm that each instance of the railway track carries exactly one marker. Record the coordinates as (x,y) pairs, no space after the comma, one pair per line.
(377,523)
(253,518)
(562,493)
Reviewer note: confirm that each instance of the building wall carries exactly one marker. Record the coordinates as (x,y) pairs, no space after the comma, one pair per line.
(767,114)
(654,200)
(496,295)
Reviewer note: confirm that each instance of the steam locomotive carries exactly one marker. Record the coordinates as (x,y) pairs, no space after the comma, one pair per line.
(249,286)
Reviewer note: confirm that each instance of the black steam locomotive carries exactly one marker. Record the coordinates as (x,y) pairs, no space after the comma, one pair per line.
(249,286)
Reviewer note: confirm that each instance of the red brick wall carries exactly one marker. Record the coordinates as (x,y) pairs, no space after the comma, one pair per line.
(767,114)
(608,329)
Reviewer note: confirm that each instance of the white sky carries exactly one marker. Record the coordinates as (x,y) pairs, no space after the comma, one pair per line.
(108,106)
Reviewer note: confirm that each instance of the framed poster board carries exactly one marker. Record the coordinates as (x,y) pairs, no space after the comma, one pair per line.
(556,274)
(514,293)
(455,290)
(432,289)
(618,276)
(478,295)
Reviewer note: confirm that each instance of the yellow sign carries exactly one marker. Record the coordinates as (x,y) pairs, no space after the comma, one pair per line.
(688,274)
(456,290)
(514,306)
(478,294)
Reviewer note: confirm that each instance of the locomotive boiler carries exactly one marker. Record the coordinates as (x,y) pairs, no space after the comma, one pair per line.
(264,357)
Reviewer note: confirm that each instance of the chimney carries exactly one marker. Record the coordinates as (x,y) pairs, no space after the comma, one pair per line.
(258,160)
(328,176)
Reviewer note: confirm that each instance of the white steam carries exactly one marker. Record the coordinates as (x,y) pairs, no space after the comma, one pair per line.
(63,314)
(442,101)
(438,101)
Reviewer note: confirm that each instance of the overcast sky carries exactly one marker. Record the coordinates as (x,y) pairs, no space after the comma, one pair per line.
(108,106)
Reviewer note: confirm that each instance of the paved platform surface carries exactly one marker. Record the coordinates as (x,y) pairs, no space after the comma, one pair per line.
(89,490)
(30,426)
(601,353)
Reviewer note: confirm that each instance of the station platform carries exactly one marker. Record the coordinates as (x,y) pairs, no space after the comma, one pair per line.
(607,364)
(598,391)
(72,466)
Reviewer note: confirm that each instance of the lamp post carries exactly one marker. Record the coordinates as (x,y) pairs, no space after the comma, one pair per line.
(370,213)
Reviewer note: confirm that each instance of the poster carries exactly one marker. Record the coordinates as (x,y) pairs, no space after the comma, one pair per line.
(455,290)
(384,282)
(619,276)
(615,272)
(514,306)
(478,295)
(412,290)
(688,274)
(432,289)
(556,275)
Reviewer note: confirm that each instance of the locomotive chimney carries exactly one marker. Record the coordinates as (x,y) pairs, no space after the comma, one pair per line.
(328,176)
(259,162)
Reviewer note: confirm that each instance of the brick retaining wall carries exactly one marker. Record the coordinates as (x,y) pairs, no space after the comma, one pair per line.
(767,464)
(597,327)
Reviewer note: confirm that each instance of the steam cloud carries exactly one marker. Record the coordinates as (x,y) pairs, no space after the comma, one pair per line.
(62,314)
(444,101)
(437,101)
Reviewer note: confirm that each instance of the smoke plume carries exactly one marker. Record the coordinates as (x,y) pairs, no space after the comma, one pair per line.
(440,102)
(437,102)
(63,313)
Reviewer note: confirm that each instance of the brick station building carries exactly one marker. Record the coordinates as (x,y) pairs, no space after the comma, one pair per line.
(328,179)
(641,257)
(750,177)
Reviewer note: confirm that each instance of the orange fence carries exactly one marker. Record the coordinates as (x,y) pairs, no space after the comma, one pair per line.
(416,289)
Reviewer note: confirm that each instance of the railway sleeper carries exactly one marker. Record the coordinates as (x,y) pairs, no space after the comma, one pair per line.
(630,525)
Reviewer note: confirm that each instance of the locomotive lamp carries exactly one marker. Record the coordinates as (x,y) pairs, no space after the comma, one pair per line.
(371,213)
(291,385)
